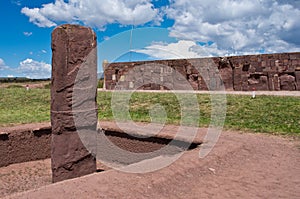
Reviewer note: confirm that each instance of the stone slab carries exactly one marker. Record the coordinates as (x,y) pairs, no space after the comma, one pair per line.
(73,101)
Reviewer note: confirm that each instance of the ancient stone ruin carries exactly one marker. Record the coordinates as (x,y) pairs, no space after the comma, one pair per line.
(73,100)
(74,89)
(266,72)
(24,144)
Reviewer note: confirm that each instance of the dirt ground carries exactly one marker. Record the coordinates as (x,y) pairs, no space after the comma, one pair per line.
(241,165)
(27,176)
(31,85)
(24,176)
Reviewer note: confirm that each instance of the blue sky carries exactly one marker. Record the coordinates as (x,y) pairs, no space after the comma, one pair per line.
(163,29)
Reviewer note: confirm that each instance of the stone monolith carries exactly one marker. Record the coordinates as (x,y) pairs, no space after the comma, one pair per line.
(73,102)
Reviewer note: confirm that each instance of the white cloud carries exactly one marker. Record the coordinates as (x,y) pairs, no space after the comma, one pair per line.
(37,18)
(238,26)
(27,34)
(181,49)
(44,51)
(9,76)
(190,49)
(96,13)
(34,69)
(235,26)
(3,65)
(27,68)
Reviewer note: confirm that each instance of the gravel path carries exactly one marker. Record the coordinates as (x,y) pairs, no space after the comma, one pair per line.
(273,93)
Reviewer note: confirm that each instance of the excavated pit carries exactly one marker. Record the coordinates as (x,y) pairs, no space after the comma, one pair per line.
(123,149)
(25,158)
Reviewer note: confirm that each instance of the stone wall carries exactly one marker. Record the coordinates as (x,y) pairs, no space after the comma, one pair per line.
(270,72)
(22,144)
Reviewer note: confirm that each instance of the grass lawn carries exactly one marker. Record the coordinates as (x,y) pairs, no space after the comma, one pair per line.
(18,106)
(267,114)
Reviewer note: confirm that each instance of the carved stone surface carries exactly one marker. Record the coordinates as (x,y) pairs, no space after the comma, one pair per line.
(73,101)
(297,74)
(287,82)
(239,73)
(226,75)
(259,83)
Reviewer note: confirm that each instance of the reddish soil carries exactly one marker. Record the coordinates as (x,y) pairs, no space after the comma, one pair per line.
(27,176)
(241,165)
(24,176)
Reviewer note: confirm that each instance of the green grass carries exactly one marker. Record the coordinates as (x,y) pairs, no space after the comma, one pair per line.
(278,115)
(18,106)
(266,114)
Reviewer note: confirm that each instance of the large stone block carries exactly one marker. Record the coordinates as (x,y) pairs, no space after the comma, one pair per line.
(297,74)
(271,81)
(245,84)
(276,83)
(287,82)
(71,159)
(73,101)
(227,77)
(264,84)
(237,79)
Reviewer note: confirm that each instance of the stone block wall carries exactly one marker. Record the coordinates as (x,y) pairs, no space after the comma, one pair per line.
(266,72)
(22,144)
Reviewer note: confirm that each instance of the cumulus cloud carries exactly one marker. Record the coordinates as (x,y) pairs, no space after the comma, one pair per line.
(192,49)
(181,49)
(234,26)
(27,68)
(237,27)
(34,69)
(36,17)
(95,13)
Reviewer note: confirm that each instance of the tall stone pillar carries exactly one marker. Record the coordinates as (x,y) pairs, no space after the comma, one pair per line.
(73,102)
